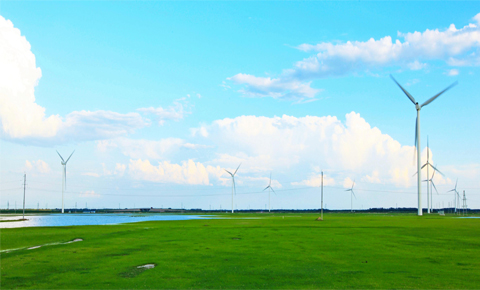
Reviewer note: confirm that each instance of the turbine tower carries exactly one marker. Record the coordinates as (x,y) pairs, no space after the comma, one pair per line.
(233,182)
(417,136)
(64,178)
(269,187)
(352,194)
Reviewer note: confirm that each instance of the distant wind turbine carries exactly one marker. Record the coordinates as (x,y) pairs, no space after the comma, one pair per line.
(352,195)
(429,189)
(233,182)
(456,194)
(417,136)
(270,188)
(64,178)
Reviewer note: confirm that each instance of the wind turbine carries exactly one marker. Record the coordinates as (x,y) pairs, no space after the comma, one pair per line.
(352,194)
(233,182)
(429,189)
(269,187)
(456,194)
(432,184)
(64,179)
(417,136)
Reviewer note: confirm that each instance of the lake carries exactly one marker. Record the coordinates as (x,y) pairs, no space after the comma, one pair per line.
(59,220)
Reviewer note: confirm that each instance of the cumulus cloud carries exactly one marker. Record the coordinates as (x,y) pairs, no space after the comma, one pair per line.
(188,172)
(38,166)
(291,143)
(455,47)
(22,119)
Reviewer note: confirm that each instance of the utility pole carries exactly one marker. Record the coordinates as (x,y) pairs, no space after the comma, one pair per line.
(321,215)
(24,185)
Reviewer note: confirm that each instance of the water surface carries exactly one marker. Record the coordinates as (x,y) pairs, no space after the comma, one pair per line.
(58,220)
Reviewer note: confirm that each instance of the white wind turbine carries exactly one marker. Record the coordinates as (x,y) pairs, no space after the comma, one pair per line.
(430,180)
(270,188)
(431,191)
(456,194)
(233,182)
(417,136)
(352,195)
(64,178)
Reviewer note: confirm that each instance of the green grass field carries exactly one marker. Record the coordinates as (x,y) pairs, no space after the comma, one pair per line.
(282,251)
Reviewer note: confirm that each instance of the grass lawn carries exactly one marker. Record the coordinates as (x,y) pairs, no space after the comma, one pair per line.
(282,251)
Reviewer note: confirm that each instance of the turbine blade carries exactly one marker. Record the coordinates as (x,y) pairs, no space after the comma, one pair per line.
(228,172)
(434,187)
(60,156)
(405,91)
(270,182)
(353,184)
(424,165)
(70,156)
(433,174)
(237,169)
(266,188)
(273,190)
(354,194)
(437,95)
(435,169)
(456,184)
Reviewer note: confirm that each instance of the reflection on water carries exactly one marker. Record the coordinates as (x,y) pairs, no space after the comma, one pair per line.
(57,220)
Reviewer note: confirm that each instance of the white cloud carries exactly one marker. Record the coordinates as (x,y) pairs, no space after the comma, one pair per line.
(22,119)
(275,88)
(89,193)
(188,172)
(264,144)
(38,166)
(120,169)
(477,18)
(147,149)
(372,178)
(348,182)
(453,72)
(93,174)
(175,112)
(316,181)
(456,47)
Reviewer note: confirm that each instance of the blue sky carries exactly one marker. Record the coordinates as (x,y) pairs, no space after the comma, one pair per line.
(157,98)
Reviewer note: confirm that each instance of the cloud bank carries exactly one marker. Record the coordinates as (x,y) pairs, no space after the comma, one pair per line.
(23,120)
(455,47)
